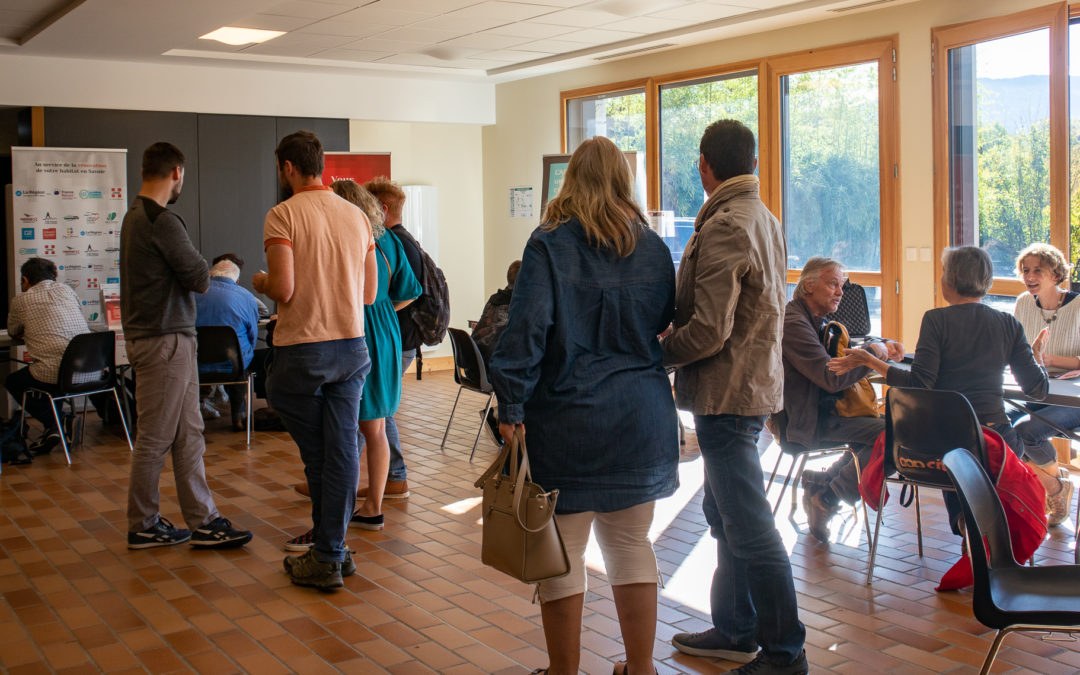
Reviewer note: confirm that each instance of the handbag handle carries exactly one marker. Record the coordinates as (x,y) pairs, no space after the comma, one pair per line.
(519,471)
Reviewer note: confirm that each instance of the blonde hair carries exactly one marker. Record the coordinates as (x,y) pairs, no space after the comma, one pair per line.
(1050,256)
(386,191)
(598,190)
(812,271)
(350,190)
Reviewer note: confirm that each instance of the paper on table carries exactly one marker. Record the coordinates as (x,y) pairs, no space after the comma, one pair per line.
(1068,376)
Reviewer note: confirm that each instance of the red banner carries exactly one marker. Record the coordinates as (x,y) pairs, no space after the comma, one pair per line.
(358,166)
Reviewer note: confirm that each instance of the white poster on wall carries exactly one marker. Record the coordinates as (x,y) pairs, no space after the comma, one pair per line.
(68,204)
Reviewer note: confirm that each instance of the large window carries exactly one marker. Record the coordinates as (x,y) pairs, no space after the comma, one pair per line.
(1001,141)
(686,108)
(619,116)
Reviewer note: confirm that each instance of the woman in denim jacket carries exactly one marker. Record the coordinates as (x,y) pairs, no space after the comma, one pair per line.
(579,364)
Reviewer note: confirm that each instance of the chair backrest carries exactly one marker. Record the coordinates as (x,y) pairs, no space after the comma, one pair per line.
(853,311)
(986,527)
(218,345)
(469,368)
(921,425)
(88,363)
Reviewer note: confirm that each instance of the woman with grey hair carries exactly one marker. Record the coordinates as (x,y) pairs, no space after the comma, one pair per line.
(965,347)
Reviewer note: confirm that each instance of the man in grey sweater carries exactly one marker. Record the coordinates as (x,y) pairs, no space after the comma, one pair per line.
(159,272)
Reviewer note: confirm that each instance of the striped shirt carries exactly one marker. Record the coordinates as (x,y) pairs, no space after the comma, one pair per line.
(46,317)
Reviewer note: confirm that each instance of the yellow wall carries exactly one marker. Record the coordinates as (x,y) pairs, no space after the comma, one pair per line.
(448,156)
(527,114)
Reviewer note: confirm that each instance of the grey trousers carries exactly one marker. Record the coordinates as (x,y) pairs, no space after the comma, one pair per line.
(858,432)
(169,421)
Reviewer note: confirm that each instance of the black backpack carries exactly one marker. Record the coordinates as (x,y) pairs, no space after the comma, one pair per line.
(13,448)
(431,311)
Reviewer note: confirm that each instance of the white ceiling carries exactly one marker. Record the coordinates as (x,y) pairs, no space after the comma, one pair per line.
(484,39)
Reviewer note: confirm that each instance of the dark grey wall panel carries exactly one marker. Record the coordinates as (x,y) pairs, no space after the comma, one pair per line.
(237,186)
(334,134)
(134,130)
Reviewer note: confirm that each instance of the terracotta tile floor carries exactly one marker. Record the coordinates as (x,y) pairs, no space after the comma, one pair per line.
(74,599)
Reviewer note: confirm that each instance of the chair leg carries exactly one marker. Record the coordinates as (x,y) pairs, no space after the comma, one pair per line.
(442,446)
(772,475)
(795,482)
(877,531)
(918,519)
(60,428)
(123,419)
(22,415)
(992,654)
(483,423)
(787,479)
(250,391)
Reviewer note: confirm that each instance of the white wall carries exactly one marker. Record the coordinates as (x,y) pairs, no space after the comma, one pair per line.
(528,121)
(450,157)
(182,87)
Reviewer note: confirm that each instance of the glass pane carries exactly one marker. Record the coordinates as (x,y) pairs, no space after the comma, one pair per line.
(830,190)
(1074,150)
(619,116)
(999,145)
(1004,303)
(685,110)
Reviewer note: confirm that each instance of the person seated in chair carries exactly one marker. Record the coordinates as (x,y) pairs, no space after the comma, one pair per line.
(229,304)
(46,316)
(488,329)
(811,389)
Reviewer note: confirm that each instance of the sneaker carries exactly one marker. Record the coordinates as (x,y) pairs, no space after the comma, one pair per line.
(710,643)
(219,533)
(1057,505)
(817,514)
(762,666)
(161,534)
(367,522)
(307,570)
(348,567)
(45,444)
(395,489)
(301,543)
(209,412)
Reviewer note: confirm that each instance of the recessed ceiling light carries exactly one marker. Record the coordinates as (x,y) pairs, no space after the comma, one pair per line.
(231,35)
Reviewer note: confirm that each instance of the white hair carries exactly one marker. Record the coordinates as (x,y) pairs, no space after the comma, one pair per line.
(812,271)
(225,268)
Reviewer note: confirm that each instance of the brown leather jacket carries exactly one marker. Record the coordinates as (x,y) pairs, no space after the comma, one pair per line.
(729,307)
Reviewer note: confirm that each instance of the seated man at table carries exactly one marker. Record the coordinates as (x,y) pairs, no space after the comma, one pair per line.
(810,389)
(229,304)
(46,315)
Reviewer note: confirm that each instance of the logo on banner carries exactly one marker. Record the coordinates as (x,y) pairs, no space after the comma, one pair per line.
(29,193)
(91,252)
(49,219)
(115,264)
(71,251)
(92,282)
(92,217)
(71,268)
(70,219)
(92,233)
(27,251)
(74,283)
(67,194)
(91,194)
(50,249)
(91,303)
(113,249)
(28,219)
(111,218)
(48,233)
(97,267)
(112,280)
(27,234)
(116,193)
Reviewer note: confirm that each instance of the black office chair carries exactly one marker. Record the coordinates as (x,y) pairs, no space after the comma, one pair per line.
(87,367)
(1008,596)
(220,345)
(470,373)
(799,455)
(853,312)
(921,425)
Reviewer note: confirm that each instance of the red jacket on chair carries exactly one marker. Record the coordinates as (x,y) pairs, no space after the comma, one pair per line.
(1019,489)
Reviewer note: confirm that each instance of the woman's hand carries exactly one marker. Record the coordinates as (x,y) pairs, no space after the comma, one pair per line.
(857,358)
(507,430)
(896,350)
(1039,345)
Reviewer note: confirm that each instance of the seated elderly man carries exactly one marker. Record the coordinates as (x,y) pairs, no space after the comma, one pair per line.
(227,303)
(808,380)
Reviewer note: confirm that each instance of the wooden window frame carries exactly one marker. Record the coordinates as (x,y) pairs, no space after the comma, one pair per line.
(1055,18)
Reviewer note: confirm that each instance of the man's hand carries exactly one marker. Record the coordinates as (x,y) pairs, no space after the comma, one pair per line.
(260,281)
(852,360)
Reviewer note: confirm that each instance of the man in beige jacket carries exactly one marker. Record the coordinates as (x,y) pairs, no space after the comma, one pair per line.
(729,313)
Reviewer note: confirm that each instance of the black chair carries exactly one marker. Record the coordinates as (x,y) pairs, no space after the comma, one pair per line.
(218,345)
(921,425)
(1008,596)
(799,455)
(853,312)
(470,373)
(87,367)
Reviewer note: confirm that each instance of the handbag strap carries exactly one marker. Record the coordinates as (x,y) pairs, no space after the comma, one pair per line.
(519,472)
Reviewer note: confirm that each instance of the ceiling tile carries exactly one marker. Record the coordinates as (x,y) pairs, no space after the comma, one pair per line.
(556,46)
(298,44)
(425,60)
(377,44)
(599,36)
(559,3)
(632,8)
(357,55)
(512,55)
(433,6)
(528,30)
(272,22)
(499,10)
(755,4)
(414,34)
(647,24)
(701,12)
(305,9)
(211,46)
(378,13)
(580,18)
(483,41)
(345,29)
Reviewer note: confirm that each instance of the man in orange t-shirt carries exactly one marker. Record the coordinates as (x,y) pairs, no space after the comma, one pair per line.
(321,257)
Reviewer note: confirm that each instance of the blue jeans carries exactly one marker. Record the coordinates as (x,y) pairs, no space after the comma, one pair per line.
(398,471)
(753,594)
(316,389)
(1036,434)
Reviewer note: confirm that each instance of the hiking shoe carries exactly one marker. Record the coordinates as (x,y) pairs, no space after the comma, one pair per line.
(373,523)
(395,489)
(710,643)
(161,534)
(45,444)
(219,533)
(301,543)
(762,666)
(1057,505)
(348,566)
(307,570)
(817,514)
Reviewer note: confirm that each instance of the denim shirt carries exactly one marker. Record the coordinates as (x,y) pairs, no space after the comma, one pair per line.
(579,363)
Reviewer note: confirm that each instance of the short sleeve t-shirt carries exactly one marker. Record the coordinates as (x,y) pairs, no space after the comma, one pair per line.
(330,238)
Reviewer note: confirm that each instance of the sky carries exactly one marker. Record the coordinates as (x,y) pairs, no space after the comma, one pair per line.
(1024,54)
